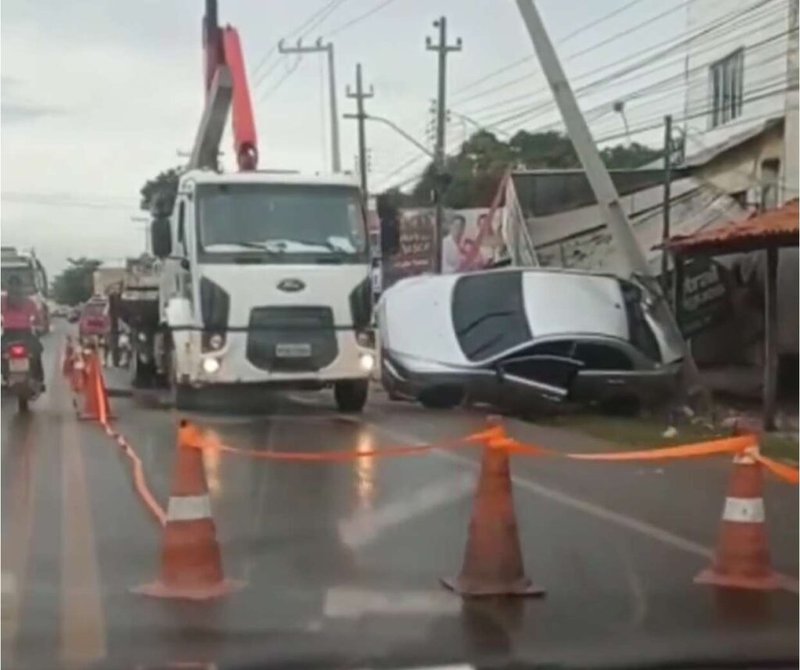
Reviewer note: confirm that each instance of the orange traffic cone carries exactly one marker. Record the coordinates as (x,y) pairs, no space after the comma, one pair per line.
(191,561)
(742,555)
(493,559)
(91,399)
(69,358)
(78,365)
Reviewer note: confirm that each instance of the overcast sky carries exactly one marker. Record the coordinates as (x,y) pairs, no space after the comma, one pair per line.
(98,96)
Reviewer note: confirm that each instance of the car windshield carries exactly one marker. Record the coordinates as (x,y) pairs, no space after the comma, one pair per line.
(24,276)
(280,219)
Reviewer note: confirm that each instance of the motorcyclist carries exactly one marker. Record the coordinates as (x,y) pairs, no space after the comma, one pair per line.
(19,315)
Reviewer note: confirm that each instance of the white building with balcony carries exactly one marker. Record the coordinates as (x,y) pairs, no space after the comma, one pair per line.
(741,97)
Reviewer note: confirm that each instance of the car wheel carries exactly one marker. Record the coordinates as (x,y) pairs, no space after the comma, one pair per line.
(351,395)
(441,397)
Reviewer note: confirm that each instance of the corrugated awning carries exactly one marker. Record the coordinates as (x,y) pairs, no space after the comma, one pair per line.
(775,228)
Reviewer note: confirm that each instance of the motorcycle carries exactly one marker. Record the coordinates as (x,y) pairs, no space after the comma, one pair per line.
(19,374)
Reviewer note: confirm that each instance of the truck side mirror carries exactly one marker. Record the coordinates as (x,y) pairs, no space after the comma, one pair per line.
(390,237)
(161,237)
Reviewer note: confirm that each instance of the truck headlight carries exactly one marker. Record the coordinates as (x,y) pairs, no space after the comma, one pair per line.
(367,362)
(211,365)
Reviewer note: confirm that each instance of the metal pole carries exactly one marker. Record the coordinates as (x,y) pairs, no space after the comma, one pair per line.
(667,197)
(336,157)
(442,50)
(770,337)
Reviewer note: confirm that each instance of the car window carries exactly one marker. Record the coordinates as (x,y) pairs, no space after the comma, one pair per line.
(554,348)
(599,356)
(546,369)
(489,314)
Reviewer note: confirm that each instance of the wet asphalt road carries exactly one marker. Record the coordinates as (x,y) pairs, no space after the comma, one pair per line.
(341,561)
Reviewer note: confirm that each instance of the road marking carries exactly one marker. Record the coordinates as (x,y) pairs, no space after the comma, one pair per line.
(365,527)
(351,603)
(642,527)
(83,633)
(17,537)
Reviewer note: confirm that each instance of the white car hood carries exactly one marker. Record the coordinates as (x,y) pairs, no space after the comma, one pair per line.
(415,319)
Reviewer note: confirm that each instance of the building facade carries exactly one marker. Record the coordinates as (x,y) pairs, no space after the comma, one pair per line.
(741,72)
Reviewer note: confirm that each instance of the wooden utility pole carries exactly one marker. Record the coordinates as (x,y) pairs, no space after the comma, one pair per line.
(359,96)
(442,49)
(633,261)
(319,47)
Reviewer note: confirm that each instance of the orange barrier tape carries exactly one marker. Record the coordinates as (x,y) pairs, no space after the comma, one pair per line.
(728,445)
(785,472)
(139,481)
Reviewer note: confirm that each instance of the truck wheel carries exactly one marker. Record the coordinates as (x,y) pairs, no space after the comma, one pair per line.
(351,395)
(142,374)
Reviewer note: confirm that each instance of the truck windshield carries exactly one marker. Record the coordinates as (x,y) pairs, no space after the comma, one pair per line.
(279,220)
(23,274)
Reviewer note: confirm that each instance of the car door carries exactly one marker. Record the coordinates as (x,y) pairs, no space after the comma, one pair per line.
(542,377)
(609,371)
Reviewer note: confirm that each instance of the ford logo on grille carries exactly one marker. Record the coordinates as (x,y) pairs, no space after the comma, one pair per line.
(291,285)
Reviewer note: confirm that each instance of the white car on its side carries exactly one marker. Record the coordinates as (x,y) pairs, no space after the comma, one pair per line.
(524,338)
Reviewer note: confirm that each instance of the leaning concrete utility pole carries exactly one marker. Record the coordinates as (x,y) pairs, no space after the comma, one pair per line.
(319,47)
(442,50)
(633,259)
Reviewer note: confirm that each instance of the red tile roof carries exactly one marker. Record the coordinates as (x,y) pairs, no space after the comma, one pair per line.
(775,227)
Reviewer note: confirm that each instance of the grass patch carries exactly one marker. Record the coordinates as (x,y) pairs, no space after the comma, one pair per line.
(644,432)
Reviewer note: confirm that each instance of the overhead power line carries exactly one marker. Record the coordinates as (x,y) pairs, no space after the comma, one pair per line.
(561,41)
(648,52)
(614,78)
(359,18)
(311,23)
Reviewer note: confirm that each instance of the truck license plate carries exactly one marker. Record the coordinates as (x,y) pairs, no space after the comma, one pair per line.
(293,350)
(18,365)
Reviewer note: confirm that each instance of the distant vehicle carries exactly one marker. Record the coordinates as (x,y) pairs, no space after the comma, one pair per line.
(524,339)
(73,314)
(94,320)
(27,267)
(59,312)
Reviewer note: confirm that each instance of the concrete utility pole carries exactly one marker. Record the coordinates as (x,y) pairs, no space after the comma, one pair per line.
(319,47)
(633,259)
(442,49)
(359,96)
(667,197)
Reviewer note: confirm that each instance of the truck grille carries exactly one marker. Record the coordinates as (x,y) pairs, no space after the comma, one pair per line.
(301,339)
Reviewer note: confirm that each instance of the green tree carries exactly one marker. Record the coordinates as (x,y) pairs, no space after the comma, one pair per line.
(474,173)
(76,283)
(161,190)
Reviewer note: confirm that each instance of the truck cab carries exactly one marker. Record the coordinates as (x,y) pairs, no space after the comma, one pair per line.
(265,282)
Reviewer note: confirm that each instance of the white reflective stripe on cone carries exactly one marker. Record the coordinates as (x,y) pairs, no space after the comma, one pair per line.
(744,510)
(189,508)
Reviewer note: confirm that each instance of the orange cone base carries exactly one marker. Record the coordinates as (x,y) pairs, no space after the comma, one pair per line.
(523,587)
(160,590)
(770,582)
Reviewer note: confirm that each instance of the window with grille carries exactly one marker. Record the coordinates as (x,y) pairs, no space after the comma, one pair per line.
(727,87)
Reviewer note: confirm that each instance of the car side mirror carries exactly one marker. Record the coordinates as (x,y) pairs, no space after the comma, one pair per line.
(161,237)
(390,236)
